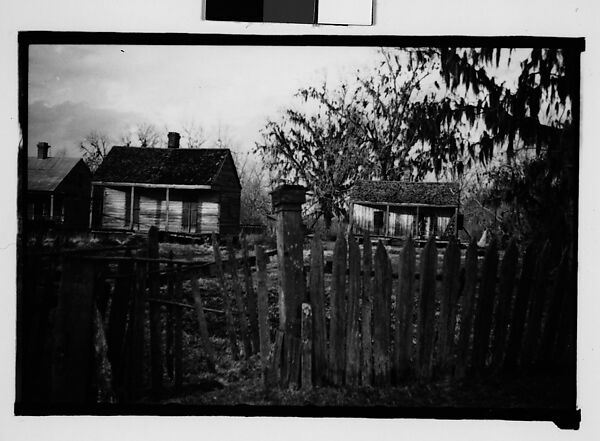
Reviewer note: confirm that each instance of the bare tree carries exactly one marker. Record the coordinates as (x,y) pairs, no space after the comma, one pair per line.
(148,136)
(94,147)
(193,135)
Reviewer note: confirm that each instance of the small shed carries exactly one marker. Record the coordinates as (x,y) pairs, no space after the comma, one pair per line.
(58,190)
(184,191)
(397,208)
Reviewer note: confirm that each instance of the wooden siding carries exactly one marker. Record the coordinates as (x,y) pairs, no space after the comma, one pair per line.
(189,211)
(402,220)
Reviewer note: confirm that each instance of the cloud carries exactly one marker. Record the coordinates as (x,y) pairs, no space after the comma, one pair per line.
(64,125)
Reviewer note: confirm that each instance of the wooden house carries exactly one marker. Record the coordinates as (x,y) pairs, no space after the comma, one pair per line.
(397,209)
(182,191)
(58,190)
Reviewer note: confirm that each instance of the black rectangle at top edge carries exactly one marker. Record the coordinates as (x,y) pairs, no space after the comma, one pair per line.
(176,39)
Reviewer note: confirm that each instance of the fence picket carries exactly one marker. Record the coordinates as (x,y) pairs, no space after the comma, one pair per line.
(263,309)
(317,300)
(448,306)
(381,312)
(508,270)
(404,312)
(366,310)
(202,325)
(538,299)
(136,375)
(229,322)
(552,322)
(485,306)
(352,316)
(337,328)
(467,311)
(426,321)
(154,308)
(170,320)
(241,308)
(250,298)
(178,331)
(519,313)
(117,323)
(306,330)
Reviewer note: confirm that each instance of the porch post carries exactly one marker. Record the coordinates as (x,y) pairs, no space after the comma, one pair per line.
(167,211)
(51,206)
(91,205)
(387,220)
(417,223)
(131,206)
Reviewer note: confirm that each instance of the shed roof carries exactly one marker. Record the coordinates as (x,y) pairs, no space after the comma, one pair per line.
(47,174)
(162,166)
(426,193)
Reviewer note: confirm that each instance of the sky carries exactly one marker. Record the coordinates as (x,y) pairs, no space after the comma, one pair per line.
(111,89)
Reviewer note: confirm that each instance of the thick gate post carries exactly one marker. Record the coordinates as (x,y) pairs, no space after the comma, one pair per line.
(287,203)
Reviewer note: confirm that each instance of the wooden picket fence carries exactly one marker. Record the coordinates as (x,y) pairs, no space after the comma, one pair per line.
(77,349)
(385,325)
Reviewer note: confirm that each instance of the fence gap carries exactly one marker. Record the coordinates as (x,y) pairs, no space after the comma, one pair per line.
(229,323)
(202,324)
(250,297)
(306,331)
(263,310)
(241,307)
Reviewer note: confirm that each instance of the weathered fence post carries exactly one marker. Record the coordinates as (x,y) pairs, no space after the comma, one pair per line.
(405,297)
(382,293)
(517,322)
(72,363)
(178,331)
(536,308)
(508,270)
(117,322)
(287,202)
(551,328)
(317,300)
(448,303)
(229,323)
(337,324)
(485,306)
(353,314)
(263,311)
(170,317)
(367,309)
(202,325)
(250,297)
(155,331)
(426,327)
(467,310)
(306,330)
(241,307)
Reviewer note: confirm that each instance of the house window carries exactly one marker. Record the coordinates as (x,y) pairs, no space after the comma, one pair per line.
(30,211)
(189,217)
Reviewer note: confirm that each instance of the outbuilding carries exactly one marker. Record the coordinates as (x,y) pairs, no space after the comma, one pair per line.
(58,190)
(399,209)
(178,190)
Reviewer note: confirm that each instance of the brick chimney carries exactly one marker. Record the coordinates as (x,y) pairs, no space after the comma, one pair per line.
(173,140)
(43,150)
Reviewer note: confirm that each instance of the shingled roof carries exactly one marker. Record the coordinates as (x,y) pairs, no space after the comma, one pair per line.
(427,193)
(47,174)
(162,166)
